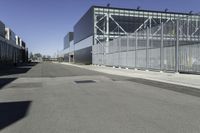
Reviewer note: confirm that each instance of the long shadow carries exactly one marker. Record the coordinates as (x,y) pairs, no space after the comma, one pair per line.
(5,81)
(177,88)
(11,112)
(19,69)
(6,70)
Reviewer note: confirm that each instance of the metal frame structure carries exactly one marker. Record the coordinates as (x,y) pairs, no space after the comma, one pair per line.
(153,29)
(150,19)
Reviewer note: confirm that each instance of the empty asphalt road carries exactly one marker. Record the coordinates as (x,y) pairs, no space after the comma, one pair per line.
(55,98)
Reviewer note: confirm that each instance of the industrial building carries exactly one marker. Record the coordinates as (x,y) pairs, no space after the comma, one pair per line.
(67,54)
(139,39)
(13,49)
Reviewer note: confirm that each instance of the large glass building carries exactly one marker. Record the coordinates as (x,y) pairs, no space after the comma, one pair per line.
(67,39)
(141,39)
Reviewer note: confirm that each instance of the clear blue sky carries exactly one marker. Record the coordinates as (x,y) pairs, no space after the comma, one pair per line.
(44,23)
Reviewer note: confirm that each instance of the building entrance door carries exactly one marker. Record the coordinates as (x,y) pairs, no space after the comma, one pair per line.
(71,58)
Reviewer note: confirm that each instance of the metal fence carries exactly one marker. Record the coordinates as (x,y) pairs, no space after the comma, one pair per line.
(170,46)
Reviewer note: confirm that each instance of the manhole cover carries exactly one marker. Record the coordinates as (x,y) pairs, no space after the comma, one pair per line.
(84,81)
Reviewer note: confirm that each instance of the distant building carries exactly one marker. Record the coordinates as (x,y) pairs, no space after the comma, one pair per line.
(67,39)
(136,38)
(10,35)
(2,29)
(67,54)
(12,48)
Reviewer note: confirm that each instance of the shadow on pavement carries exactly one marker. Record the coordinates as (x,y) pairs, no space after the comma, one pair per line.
(177,88)
(5,81)
(11,112)
(19,69)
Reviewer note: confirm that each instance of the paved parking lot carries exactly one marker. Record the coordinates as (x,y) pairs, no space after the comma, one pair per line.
(55,98)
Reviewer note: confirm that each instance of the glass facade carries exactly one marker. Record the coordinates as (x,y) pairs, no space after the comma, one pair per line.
(67,39)
(84,27)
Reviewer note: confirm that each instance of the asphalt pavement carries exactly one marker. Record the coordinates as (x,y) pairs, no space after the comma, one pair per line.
(55,98)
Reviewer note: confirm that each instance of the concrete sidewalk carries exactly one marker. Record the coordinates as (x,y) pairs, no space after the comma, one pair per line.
(188,80)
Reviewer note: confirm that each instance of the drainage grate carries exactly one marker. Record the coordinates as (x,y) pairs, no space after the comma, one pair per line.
(84,81)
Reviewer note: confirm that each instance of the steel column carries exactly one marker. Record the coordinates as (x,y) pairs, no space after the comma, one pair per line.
(127,48)
(162,49)
(177,47)
(136,43)
(147,48)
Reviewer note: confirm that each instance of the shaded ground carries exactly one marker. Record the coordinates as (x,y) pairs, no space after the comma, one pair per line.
(10,73)
(5,81)
(10,112)
(19,69)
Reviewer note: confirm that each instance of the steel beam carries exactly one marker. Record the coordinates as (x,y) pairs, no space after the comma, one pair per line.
(118,24)
(177,47)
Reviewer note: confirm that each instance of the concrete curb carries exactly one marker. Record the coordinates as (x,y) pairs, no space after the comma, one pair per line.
(171,78)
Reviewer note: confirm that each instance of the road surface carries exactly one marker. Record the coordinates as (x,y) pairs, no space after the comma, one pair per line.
(55,98)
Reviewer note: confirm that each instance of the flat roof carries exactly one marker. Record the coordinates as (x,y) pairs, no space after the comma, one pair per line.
(143,10)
